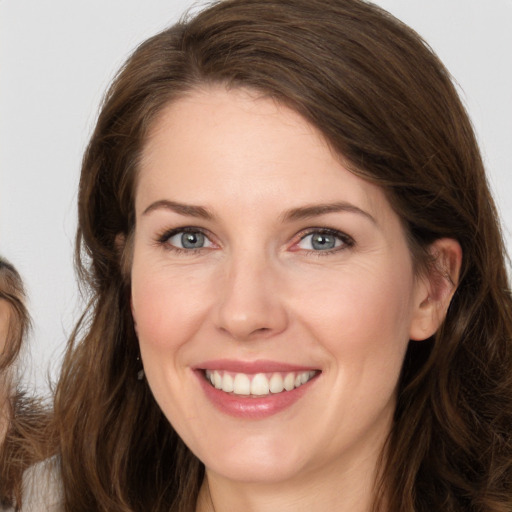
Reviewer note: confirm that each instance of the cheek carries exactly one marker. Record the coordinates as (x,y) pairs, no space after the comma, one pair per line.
(4,323)
(168,304)
(361,299)
(363,320)
(160,313)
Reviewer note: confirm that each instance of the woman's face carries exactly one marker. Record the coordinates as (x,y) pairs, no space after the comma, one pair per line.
(5,318)
(264,266)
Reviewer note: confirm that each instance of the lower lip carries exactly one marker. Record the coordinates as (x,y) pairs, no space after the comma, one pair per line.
(250,407)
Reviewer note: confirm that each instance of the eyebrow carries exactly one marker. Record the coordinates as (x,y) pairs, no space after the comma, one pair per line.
(180,208)
(300,213)
(307,212)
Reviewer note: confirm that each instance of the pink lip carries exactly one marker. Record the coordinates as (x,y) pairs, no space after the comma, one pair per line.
(248,407)
(250,367)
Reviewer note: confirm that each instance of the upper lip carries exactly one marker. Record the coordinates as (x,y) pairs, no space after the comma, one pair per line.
(250,367)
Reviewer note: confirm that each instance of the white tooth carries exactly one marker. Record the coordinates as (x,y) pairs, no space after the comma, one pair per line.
(276,384)
(289,382)
(298,381)
(304,377)
(259,385)
(241,384)
(217,379)
(227,383)
(312,374)
(209,376)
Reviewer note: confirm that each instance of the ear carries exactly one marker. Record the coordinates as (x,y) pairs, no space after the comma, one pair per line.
(435,288)
(124,250)
(120,242)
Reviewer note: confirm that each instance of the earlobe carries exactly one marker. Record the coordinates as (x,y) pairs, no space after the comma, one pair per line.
(435,288)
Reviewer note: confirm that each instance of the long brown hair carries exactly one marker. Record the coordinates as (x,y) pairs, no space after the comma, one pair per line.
(27,438)
(383,101)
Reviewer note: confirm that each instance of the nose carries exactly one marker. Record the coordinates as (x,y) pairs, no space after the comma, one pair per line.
(250,303)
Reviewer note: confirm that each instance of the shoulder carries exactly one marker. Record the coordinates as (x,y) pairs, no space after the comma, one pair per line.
(42,487)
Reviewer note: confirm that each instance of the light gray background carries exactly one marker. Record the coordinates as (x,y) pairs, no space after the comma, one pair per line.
(56,59)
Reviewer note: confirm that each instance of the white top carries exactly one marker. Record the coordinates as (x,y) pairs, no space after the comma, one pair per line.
(42,488)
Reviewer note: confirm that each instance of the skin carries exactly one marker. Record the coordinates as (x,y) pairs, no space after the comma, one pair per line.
(5,314)
(258,289)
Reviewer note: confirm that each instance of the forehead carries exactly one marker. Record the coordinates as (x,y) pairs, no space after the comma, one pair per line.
(215,143)
(210,118)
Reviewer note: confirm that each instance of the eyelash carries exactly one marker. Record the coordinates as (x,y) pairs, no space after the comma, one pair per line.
(163,239)
(346,241)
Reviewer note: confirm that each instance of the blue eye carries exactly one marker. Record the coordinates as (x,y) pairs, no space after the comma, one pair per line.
(187,239)
(322,240)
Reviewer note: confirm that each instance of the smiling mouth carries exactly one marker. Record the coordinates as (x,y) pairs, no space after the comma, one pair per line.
(258,384)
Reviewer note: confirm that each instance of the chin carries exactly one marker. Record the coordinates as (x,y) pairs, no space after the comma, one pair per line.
(256,461)
(256,471)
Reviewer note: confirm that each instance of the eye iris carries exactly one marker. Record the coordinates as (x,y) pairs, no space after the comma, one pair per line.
(192,240)
(322,242)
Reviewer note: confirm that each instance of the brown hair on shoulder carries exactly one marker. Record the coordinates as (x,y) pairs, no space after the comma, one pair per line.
(385,103)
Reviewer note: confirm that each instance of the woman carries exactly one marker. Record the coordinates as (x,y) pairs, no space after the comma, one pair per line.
(298,292)
(23,420)
(14,323)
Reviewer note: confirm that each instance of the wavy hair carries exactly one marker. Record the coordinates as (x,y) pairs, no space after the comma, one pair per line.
(28,420)
(383,101)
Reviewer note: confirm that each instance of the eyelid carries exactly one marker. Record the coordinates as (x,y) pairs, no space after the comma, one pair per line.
(163,238)
(347,240)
